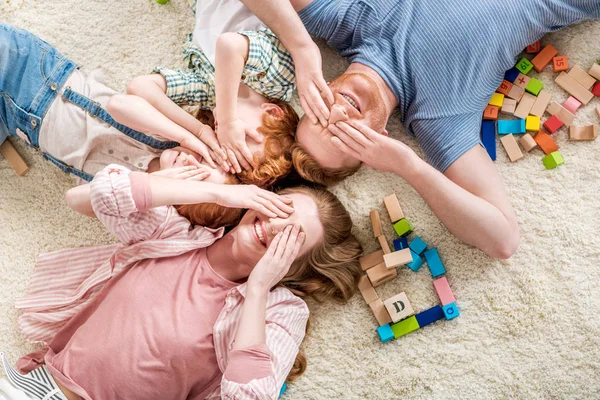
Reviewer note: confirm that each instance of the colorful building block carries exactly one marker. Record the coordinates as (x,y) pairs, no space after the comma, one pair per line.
(379,274)
(583,132)
(416,263)
(525,106)
(552,124)
(534,48)
(534,86)
(403,227)
(400,243)
(418,245)
(582,77)
(491,113)
(553,160)
(596,89)
(376,223)
(399,307)
(380,312)
(512,147)
(527,142)
(532,124)
(522,81)
(442,288)
(397,258)
(367,290)
(496,100)
(434,262)
(560,63)
(404,327)
(371,260)
(451,311)
(524,66)
(574,88)
(595,71)
(509,106)
(393,207)
(504,87)
(488,138)
(565,116)
(506,127)
(544,57)
(385,333)
(571,104)
(546,143)
(283,389)
(429,316)
(541,102)
(385,246)
(511,74)
(516,93)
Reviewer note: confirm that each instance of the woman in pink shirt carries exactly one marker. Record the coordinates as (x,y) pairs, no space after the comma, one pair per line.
(182,312)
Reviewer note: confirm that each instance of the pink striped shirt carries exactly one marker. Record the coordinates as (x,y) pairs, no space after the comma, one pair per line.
(65,281)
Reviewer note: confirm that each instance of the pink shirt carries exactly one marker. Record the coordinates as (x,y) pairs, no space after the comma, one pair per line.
(147,333)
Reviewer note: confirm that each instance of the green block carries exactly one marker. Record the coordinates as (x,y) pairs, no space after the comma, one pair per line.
(534,86)
(405,326)
(403,227)
(524,66)
(553,160)
(162,1)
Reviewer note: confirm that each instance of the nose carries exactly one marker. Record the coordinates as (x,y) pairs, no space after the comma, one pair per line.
(338,113)
(277,225)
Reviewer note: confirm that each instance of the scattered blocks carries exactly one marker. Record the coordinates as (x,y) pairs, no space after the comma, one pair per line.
(434,262)
(400,243)
(546,143)
(509,106)
(379,274)
(560,63)
(562,113)
(418,245)
(496,100)
(522,81)
(512,147)
(384,245)
(541,102)
(488,137)
(403,227)
(385,333)
(525,106)
(534,48)
(516,93)
(416,263)
(400,257)
(553,160)
(451,311)
(427,317)
(583,132)
(524,66)
(393,207)
(491,113)
(532,124)
(595,71)
(534,86)
(376,223)
(527,142)
(442,288)
(504,87)
(14,158)
(571,104)
(398,307)
(553,124)
(574,88)
(367,290)
(544,57)
(404,327)
(511,74)
(380,312)
(371,260)
(582,77)
(506,127)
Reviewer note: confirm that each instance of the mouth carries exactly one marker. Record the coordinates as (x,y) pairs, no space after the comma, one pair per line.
(260,233)
(351,100)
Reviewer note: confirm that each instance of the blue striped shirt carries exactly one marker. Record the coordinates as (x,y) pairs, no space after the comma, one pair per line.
(443,59)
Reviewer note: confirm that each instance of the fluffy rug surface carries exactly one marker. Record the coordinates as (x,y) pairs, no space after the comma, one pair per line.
(530,326)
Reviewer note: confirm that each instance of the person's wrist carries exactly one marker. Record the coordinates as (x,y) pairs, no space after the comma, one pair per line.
(411,167)
(257,288)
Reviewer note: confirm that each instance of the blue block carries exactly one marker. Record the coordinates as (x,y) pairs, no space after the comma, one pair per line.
(511,74)
(283,389)
(506,127)
(427,317)
(416,263)
(451,311)
(418,245)
(434,262)
(488,138)
(385,333)
(400,243)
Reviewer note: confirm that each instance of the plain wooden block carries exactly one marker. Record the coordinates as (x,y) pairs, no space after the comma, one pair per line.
(376,223)
(598,111)
(595,71)
(399,307)
(442,288)
(516,93)
(393,208)
(544,57)
(565,116)
(380,312)
(574,88)
(512,147)
(582,77)
(504,87)
(367,290)
(541,102)
(583,132)
(509,106)
(379,274)
(522,81)
(371,260)
(527,142)
(14,158)
(560,63)
(546,143)
(491,113)
(525,106)
(385,246)
(400,257)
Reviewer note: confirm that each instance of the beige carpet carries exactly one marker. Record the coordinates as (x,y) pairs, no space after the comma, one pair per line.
(530,326)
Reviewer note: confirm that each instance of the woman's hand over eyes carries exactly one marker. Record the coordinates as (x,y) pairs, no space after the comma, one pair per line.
(253,198)
(189,172)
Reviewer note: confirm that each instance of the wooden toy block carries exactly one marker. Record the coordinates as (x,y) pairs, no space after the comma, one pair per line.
(525,106)
(488,138)
(380,312)
(544,57)
(506,127)
(404,327)
(509,106)
(511,74)
(595,71)
(516,92)
(384,245)
(450,311)
(371,260)
(527,142)
(552,124)
(442,288)
(598,111)
(434,262)
(367,290)
(582,77)
(596,89)
(418,245)
(571,104)
(376,223)
(429,316)
(560,63)
(399,307)
(534,48)
(522,81)
(565,116)
(400,243)
(400,257)
(546,143)
(496,100)
(504,87)
(534,86)
(416,263)
(385,333)
(541,102)
(553,160)
(524,66)
(532,124)
(379,274)
(403,227)
(512,147)
(393,207)
(583,132)
(14,158)
(491,113)
(573,87)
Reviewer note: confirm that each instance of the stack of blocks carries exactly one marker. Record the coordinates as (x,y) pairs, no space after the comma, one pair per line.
(523,97)
(396,316)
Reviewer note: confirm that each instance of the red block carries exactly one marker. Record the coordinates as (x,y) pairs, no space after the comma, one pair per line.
(553,124)
(534,48)
(596,89)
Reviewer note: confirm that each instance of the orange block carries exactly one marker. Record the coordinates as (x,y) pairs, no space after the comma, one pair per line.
(534,48)
(560,63)
(544,57)
(491,112)
(504,87)
(546,143)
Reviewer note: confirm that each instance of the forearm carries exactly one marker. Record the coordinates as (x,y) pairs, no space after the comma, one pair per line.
(251,330)
(78,198)
(231,55)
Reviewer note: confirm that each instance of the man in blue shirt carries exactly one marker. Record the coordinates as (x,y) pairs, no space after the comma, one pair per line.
(437,61)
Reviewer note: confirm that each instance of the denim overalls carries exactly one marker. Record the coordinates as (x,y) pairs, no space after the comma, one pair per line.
(32,73)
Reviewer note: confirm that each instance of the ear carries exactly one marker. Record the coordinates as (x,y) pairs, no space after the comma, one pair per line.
(272,109)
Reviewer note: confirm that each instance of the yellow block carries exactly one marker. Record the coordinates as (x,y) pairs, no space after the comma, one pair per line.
(532,124)
(497,100)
